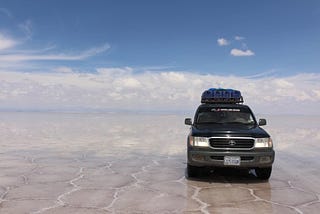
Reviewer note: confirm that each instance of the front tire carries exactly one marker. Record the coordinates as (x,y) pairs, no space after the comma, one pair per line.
(263,173)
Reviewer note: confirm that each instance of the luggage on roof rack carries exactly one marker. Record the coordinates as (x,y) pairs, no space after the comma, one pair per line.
(220,95)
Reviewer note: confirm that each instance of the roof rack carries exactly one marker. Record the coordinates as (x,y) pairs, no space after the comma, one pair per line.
(221,95)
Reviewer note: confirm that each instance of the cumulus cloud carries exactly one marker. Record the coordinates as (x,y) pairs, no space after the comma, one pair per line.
(238,52)
(115,71)
(222,42)
(174,77)
(123,88)
(6,42)
(63,69)
(127,83)
(235,51)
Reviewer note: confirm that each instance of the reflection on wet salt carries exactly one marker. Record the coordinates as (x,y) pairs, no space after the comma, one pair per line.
(126,163)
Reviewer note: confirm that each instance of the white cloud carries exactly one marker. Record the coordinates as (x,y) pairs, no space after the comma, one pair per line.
(63,69)
(6,42)
(282,83)
(127,82)
(12,57)
(115,71)
(26,28)
(238,52)
(239,38)
(123,88)
(174,77)
(222,42)
(6,12)
(317,93)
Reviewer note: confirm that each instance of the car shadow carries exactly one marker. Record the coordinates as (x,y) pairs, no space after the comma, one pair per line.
(226,175)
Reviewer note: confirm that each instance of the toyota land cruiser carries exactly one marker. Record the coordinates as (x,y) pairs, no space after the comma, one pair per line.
(225,133)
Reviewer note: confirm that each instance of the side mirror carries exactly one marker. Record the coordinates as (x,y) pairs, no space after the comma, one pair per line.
(262,122)
(188,121)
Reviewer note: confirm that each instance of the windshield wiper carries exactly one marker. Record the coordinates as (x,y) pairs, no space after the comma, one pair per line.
(209,123)
(250,123)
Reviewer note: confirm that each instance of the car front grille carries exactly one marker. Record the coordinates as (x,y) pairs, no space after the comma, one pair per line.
(231,143)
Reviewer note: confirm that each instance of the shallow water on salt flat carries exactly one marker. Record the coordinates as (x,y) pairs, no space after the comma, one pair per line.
(135,163)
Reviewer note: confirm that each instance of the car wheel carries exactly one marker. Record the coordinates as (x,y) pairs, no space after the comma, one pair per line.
(193,171)
(263,173)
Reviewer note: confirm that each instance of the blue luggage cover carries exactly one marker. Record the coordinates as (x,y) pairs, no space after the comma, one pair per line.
(221,95)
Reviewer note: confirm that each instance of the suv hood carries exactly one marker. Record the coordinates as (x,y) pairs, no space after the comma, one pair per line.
(228,130)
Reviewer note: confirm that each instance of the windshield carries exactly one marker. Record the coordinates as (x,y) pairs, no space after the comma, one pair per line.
(224,116)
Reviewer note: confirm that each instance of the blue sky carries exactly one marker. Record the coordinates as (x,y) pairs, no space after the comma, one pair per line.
(245,39)
(284,35)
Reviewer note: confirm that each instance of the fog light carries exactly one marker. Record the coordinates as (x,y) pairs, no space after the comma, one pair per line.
(198,157)
(265,159)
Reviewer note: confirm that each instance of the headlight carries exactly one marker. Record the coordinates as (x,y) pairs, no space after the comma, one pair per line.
(263,143)
(199,141)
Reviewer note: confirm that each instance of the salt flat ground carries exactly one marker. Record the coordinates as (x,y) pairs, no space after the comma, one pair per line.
(135,163)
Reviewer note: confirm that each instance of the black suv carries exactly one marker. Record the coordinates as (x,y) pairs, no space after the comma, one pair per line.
(228,135)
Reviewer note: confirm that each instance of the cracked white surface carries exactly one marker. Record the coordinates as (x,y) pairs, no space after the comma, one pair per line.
(109,163)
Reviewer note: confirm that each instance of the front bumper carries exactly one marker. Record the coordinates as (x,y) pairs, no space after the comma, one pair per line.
(256,158)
